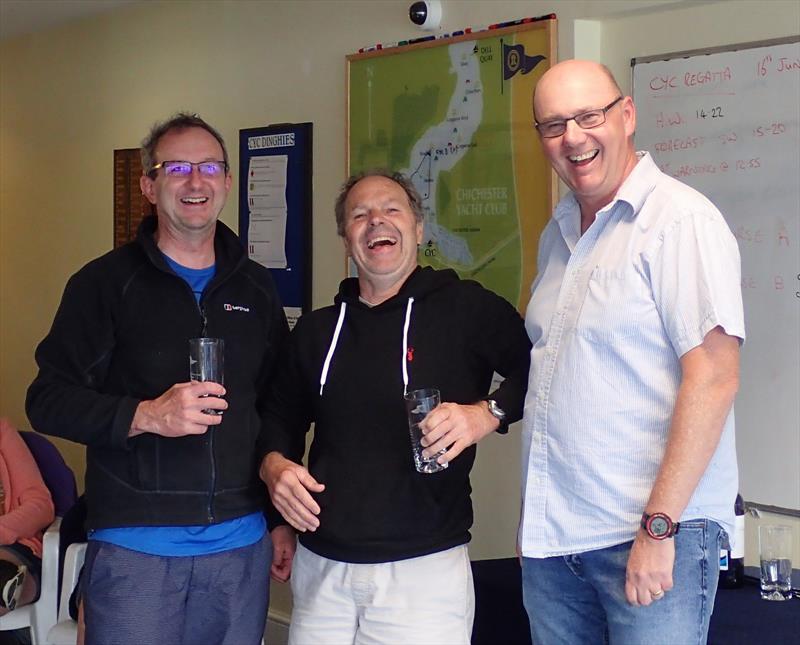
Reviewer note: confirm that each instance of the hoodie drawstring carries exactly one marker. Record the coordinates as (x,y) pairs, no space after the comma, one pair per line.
(332,348)
(324,376)
(405,345)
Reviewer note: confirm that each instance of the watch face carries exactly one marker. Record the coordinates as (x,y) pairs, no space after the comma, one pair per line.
(495,410)
(659,526)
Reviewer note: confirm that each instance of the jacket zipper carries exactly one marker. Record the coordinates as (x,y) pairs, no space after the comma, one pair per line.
(203,333)
(203,320)
(210,433)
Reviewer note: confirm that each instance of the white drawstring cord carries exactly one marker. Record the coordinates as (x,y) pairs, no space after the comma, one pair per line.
(405,345)
(324,376)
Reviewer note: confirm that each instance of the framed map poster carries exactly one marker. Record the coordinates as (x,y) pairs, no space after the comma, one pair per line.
(454,115)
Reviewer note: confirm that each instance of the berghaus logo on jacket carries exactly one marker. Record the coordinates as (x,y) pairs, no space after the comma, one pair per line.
(229,307)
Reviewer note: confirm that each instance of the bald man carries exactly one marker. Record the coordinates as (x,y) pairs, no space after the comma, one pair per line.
(636,319)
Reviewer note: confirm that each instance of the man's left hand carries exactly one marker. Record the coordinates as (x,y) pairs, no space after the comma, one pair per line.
(649,573)
(456,427)
(284,543)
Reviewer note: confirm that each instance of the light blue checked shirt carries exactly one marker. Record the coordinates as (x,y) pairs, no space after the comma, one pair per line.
(611,313)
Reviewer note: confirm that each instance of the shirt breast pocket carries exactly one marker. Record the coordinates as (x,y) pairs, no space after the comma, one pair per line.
(616,305)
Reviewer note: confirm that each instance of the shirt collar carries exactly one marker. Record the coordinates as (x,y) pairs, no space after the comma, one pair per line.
(568,217)
(634,191)
(640,183)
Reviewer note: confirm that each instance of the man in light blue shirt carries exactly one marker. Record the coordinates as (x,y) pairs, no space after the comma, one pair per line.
(629,463)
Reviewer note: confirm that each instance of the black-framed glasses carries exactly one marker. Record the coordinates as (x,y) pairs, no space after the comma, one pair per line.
(184,168)
(585,120)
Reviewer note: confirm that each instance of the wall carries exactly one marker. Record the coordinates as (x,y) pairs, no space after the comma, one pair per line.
(71,95)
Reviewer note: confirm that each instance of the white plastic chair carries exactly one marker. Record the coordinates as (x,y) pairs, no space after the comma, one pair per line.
(40,616)
(65,631)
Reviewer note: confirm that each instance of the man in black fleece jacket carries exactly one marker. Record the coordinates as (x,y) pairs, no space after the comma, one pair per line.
(178,551)
(382,555)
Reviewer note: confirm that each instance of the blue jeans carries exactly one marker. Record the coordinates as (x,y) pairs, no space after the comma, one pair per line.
(580,598)
(133,597)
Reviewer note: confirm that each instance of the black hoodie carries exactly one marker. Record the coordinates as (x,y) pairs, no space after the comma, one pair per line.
(456,334)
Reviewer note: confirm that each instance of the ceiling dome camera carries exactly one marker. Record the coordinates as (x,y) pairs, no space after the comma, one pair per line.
(427,15)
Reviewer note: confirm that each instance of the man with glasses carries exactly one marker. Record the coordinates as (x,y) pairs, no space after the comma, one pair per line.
(630,473)
(178,548)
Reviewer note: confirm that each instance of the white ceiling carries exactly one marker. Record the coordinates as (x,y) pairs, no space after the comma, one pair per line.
(19,17)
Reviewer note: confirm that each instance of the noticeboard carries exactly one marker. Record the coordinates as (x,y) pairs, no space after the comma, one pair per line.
(275,199)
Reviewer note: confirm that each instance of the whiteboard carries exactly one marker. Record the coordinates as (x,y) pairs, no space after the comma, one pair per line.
(725,121)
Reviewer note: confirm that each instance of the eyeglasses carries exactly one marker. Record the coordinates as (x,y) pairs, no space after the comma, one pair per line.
(585,120)
(184,168)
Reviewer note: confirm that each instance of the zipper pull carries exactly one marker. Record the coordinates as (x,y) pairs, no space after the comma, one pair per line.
(203,322)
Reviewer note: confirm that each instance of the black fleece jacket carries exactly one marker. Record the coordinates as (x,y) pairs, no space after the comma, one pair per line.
(120,336)
(375,506)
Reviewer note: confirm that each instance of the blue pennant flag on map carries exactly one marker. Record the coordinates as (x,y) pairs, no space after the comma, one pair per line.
(515,59)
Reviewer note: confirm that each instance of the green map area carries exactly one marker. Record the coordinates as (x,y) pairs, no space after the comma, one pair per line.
(442,116)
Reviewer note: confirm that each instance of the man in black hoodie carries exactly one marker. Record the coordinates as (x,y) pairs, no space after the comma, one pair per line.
(178,551)
(382,555)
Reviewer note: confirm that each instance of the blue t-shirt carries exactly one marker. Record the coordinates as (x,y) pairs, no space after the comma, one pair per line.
(197,279)
(188,540)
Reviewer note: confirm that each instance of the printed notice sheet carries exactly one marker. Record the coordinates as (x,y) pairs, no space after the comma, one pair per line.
(266,200)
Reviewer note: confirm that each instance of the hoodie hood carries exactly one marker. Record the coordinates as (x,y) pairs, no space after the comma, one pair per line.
(421,282)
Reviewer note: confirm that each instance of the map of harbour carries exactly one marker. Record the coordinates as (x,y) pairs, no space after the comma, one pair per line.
(456,119)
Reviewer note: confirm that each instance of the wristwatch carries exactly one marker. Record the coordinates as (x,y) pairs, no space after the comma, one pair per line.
(498,413)
(659,526)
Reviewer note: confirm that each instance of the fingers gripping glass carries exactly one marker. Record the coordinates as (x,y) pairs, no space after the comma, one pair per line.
(184,168)
(585,120)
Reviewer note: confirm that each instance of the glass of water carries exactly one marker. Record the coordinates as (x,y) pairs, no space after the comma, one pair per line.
(418,404)
(775,549)
(207,362)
